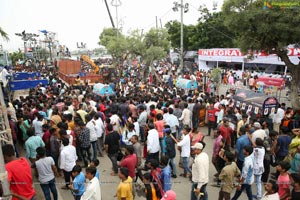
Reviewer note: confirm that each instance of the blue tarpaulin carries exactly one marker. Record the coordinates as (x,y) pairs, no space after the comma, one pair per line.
(186,84)
(26,84)
(26,75)
(102,89)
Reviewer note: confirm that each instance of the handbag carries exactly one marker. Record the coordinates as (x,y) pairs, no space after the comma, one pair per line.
(120,155)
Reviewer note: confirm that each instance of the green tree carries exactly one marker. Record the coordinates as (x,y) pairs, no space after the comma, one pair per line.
(106,35)
(154,53)
(15,56)
(136,45)
(157,38)
(3,34)
(269,29)
(215,75)
(209,32)
(115,43)
(212,32)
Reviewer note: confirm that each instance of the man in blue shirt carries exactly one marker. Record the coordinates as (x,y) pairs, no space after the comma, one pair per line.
(77,187)
(240,144)
(247,177)
(165,174)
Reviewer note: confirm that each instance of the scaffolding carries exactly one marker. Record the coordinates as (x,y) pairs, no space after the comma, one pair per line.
(5,138)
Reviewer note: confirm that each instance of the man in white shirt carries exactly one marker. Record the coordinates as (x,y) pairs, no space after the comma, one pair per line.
(173,122)
(115,121)
(91,125)
(68,159)
(186,115)
(128,133)
(93,190)
(152,144)
(185,145)
(277,117)
(200,172)
(258,133)
(38,123)
(100,130)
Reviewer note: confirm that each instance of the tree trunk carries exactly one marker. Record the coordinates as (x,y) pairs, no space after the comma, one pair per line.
(295,83)
(295,100)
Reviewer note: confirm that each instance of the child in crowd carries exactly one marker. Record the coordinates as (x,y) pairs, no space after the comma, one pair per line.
(283,180)
(95,163)
(77,187)
(271,189)
(93,190)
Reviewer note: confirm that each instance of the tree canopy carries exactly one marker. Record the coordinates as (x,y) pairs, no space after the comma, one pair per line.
(150,46)
(261,26)
(3,34)
(209,32)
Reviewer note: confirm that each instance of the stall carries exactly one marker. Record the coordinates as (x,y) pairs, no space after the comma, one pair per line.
(101,89)
(254,102)
(270,86)
(186,84)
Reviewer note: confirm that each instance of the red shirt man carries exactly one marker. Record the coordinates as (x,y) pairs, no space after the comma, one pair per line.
(226,131)
(18,174)
(211,113)
(129,161)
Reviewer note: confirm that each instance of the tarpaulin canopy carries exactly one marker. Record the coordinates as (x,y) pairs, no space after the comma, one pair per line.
(253,101)
(186,84)
(26,84)
(102,89)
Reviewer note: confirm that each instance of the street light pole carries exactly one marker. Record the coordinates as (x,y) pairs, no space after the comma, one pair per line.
(116,3)
(183,9)
(181,34)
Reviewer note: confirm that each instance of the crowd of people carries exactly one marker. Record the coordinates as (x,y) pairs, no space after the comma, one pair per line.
(65,129)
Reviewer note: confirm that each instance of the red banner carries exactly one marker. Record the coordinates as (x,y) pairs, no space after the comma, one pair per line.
(279,82)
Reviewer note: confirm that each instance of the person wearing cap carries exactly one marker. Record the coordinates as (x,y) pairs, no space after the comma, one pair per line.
(200,172)
(258,133)
(169,195)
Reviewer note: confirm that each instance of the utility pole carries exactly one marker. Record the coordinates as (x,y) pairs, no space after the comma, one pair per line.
(181,34)
(110,17)
(116,3)
(183,9)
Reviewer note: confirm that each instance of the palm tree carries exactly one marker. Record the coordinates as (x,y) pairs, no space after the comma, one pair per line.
(3,34)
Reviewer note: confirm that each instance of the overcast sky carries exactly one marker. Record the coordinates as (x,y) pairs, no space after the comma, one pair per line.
(83,21)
